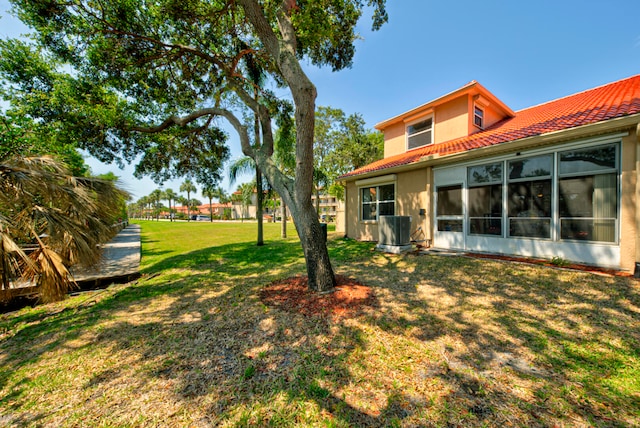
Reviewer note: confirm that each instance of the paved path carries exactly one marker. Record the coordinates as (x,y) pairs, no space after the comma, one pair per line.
(120,258)
(120,263)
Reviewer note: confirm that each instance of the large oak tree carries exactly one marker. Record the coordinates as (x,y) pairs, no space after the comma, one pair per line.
(175,66)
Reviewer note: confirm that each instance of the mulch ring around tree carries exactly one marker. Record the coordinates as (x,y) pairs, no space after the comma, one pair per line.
(292,294)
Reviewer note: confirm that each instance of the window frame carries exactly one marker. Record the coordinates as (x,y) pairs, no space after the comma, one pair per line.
(554,178)
(530,181)
(378,201)
(490,184)
(477,116)
(615,171)
(414,122)
(450,218)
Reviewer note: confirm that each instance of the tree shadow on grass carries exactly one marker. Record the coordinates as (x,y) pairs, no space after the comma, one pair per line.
(451,342)
(568,339)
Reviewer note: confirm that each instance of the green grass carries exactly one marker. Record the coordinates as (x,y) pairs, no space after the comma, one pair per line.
(452,341)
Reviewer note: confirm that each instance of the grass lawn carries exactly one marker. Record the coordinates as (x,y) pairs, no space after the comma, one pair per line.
(453,341)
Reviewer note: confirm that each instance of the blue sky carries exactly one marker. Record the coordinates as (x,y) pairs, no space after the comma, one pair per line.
(525,52)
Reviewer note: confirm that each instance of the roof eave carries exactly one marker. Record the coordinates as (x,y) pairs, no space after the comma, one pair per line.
(472,88)
(604,127)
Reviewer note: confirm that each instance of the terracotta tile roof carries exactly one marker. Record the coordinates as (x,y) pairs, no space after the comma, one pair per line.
(605,102)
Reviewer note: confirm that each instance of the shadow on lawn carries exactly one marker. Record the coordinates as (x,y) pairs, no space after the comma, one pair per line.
(208,336)
(573,337)
(200,332)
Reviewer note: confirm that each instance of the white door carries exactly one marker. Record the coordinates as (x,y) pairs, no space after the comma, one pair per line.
(449,216)
(449,211)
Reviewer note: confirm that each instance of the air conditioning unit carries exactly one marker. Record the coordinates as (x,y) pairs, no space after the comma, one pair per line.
(394,233)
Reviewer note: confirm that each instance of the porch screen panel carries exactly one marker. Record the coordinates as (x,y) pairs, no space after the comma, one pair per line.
(529,197)
(485,199)
(449,209)
(588,194)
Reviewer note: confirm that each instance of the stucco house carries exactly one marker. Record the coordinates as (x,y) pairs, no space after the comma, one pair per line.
(559,179)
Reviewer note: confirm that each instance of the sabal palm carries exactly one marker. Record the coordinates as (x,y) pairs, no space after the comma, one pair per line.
(59,218)
(188,187)
(170,196)
(211,192)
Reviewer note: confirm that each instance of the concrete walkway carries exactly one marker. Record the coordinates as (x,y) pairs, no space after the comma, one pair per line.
(120,259)
(120,263)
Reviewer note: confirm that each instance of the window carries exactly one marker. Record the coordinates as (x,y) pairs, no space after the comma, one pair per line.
(377,201)
(529,196)
(588,195)
(478,117)
(485,199)
(449,209)
(419,134)
(567,195)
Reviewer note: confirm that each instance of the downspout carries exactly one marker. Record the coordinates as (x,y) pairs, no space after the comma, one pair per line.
(636,272)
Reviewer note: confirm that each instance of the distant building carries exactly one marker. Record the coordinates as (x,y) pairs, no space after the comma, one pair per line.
(216,209)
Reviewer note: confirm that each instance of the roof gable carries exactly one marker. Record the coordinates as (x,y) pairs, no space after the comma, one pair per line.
(610,101)
(472,88)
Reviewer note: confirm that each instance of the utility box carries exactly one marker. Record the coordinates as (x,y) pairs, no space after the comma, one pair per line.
(394,233)
(323,228)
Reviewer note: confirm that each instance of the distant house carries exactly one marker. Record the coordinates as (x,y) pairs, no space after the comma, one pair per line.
(558,179)
(216,209)
(239,210)
(328,206)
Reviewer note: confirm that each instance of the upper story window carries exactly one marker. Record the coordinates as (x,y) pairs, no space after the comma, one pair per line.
(478,117)
(420,133)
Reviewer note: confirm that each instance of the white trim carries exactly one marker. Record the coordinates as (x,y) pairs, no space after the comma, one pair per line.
(377,180)
(376,184)
(591,252)
(421,118)
(578,144)
(478,106)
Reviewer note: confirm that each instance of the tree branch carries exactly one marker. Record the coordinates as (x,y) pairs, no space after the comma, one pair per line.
(211,111)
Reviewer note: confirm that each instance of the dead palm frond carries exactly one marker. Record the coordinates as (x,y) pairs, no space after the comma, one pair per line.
(63,218)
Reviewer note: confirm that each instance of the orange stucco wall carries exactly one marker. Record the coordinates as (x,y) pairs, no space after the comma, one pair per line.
(412,193)
(451,120)
(491,116)
(394,140)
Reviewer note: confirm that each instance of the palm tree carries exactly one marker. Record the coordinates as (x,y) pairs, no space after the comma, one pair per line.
(244,165)
(144,201)
(155,198)
(188,187)
(284,155)
(59,218)
(169,195)
(223,198)
(244,195)
(210,192)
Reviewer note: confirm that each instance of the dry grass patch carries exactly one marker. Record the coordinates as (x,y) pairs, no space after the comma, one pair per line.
(450,341)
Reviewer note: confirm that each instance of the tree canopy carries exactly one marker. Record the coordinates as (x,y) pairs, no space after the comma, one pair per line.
(152,79)
(342,144)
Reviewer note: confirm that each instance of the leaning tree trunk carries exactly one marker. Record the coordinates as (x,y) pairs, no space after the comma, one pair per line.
(282,49)
(319,270)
